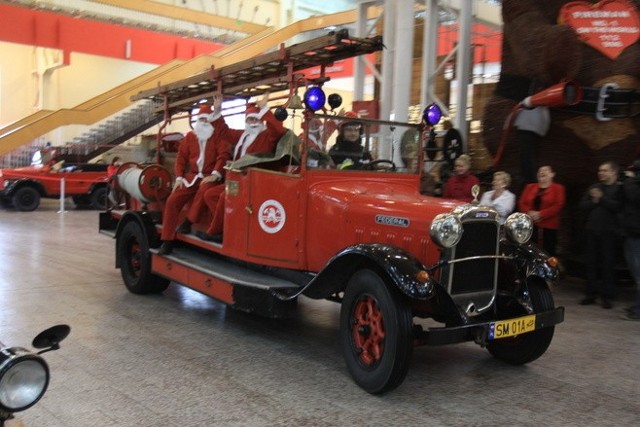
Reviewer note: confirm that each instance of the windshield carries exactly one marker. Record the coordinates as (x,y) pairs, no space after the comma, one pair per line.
(348,143)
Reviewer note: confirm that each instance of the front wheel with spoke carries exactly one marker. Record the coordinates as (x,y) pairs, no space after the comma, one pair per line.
(375,332)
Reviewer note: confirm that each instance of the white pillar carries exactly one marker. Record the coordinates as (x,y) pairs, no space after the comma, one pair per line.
(403,65)
(403,70)
(62,196)
(463,69)
(386,87)
(429,53)
(359,66)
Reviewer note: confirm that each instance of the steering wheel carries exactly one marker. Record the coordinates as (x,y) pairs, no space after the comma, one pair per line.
(380,165)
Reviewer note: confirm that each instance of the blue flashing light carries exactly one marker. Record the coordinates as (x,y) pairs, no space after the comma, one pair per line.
(432,114)
(314,98)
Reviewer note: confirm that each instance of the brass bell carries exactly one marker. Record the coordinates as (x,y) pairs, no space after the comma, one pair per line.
(295,102)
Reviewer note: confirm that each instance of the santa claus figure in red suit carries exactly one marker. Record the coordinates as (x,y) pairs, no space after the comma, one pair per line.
(201,158)
(261,135)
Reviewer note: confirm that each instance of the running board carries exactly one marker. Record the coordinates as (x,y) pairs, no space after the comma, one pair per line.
(240,287)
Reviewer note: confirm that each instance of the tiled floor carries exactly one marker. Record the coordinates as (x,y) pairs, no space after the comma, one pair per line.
(181,359)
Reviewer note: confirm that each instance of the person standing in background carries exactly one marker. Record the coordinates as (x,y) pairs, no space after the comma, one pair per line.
(543,201)
(459,185)
(500,198)
(113,166)
(601,204)
(631,227)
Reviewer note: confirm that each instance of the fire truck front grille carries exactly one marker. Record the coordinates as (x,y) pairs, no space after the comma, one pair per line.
(478,238)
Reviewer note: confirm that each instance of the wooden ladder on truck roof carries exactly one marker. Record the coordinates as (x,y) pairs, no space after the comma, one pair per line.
(270,72)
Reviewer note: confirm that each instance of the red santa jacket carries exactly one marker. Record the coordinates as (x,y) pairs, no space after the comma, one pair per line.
(551,203)
(265,142)
(217,153)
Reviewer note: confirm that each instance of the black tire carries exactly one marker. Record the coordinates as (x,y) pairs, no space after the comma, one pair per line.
(375,333)
(26,199)
(99,198)
(528,347)
(135,262)
(81,202)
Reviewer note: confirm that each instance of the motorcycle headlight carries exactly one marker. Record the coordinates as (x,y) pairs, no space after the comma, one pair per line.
(519,227)
(446,230)
(24,378)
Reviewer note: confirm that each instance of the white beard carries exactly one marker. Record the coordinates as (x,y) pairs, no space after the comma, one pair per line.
(203,130)
(255,129)
(316,132)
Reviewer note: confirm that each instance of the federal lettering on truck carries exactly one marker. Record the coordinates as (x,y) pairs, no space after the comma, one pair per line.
(392,220)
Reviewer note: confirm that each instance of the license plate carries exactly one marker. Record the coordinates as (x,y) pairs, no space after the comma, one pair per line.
(512,327)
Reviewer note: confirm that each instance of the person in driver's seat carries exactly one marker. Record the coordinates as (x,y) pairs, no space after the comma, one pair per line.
(348,151)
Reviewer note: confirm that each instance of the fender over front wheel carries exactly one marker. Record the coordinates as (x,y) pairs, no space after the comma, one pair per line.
(375,333)
(135,261)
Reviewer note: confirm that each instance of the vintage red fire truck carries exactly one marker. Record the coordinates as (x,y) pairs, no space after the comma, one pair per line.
(365,238)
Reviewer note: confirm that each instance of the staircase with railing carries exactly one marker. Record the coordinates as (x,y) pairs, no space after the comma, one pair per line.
(109,133)
(97,140)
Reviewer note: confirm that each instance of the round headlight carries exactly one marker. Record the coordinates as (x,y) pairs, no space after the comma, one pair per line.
(446,230)
(519,227)
(24,378)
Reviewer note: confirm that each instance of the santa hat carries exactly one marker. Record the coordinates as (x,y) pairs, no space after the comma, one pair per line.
(253,111)
(204,112)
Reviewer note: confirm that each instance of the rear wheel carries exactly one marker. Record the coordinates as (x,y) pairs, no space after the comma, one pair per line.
(528,347)
(375,332)
(135,262)
(81,202)
(99,198)
(26,199)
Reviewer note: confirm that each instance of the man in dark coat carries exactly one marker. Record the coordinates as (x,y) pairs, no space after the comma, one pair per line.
(601,204)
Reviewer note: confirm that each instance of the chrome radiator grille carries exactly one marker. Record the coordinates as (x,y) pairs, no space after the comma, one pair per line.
(478,238)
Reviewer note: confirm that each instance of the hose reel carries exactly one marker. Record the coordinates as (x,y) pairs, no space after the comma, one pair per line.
(151,183)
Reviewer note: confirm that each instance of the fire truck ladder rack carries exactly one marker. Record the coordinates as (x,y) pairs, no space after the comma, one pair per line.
(270,72)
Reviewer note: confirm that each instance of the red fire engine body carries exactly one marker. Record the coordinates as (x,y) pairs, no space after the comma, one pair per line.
(366,238)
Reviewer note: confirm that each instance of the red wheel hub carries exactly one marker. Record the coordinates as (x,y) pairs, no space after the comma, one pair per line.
(135,258)
(368,330)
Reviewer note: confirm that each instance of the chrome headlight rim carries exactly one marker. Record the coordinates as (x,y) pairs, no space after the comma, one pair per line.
(24,378)
(518,227)
(446,230)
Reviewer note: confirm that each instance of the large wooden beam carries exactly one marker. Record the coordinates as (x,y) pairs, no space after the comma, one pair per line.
(185,14)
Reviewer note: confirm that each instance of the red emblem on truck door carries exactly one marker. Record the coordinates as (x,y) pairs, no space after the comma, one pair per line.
(271,216)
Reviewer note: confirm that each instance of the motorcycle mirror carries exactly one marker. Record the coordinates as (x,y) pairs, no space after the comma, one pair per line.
(50,339)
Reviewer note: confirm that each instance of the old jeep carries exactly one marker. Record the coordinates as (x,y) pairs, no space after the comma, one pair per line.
(23,187)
